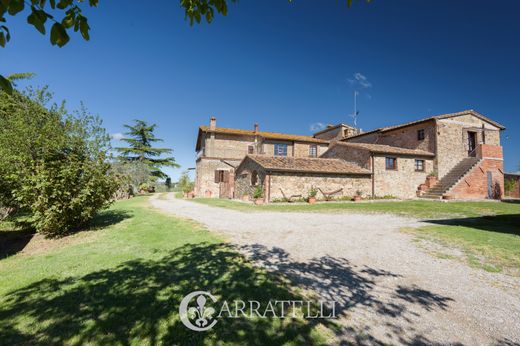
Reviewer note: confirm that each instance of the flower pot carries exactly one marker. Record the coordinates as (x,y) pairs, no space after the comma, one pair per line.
(259,201)
(431,181)
(245,198)
(357,198)
(311,200)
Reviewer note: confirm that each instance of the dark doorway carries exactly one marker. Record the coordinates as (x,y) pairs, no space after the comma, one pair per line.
(472,143)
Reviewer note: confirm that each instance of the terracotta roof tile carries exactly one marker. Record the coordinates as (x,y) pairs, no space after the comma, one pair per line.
(269,135)
(307,165)
(385,149)
(442,116)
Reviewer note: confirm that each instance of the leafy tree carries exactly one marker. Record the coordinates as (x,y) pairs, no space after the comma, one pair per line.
(66,15)
(168,184)
(131,176)
(54,164)
(185,183)
(140,140)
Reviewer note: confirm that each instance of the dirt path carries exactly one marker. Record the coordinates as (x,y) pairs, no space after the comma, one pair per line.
(389,290)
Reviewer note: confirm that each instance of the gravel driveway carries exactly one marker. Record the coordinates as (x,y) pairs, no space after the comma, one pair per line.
(390,291)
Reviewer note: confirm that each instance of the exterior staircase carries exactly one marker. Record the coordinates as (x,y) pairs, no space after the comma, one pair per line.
(452,178)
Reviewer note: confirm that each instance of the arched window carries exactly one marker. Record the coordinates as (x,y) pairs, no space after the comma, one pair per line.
(254,178)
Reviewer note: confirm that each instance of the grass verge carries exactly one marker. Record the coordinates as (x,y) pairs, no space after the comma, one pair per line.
(489,242)
(415,208)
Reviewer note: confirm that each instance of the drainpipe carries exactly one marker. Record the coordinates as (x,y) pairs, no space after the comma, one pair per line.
(373,177)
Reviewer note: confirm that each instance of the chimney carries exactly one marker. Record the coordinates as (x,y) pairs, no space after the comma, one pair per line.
(257,128)
(212,123)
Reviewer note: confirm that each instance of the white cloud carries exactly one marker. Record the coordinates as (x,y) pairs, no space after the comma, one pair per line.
(117,136)
(359,80)
(316,127)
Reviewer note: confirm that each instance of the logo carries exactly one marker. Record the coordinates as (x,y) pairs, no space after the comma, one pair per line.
(200,310)
(195,312)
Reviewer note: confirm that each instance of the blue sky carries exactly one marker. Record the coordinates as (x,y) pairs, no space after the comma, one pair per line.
(286,66)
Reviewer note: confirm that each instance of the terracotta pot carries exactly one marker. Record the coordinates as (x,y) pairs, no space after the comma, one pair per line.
(245,198)
(431,181)
(259,201)
(311,200)
(357,198)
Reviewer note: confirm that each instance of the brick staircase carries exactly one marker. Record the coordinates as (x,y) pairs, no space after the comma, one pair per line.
(452,178)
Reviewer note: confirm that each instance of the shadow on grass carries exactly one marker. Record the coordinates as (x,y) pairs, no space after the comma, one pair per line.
(15,240)
(138,301)
(509,224)
(108,218)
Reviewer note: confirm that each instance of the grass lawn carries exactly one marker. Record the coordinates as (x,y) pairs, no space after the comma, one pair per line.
(415,208)
(122,283)
(489,242)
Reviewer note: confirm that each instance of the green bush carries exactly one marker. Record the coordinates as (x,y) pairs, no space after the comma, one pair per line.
(259,192)
(55,165)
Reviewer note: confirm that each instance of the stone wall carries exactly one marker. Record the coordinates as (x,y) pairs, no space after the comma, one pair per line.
(301,149)
(358,156)
(205,176)
(400,183)
(301,183)
(228,146)
(452,140)
(407,137)
(243,175)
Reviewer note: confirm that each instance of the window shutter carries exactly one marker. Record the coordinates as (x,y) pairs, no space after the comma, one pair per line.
(217,180)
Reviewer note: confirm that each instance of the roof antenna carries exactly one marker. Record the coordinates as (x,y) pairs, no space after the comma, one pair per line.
(356,112)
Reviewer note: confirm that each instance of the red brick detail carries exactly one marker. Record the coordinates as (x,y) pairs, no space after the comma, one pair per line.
(489,151)
(475,183)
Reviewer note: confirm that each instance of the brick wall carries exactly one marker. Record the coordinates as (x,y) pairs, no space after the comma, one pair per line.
(474,185)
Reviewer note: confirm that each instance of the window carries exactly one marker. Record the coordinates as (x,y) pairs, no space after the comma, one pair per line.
(391,163)
(313,150)
(221,176)
(254,178)
(419,165)
(420,135)
(280,149)
(251,149)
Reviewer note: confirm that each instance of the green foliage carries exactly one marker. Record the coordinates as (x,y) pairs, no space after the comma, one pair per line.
(313,192)
(259,192)
(185,184)
(168,184)
(140,139)
(131,174)
(54,164)
(509,185)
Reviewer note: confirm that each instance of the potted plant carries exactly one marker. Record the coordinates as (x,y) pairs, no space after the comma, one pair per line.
(357,197)
(312,195)
(258,195)
(431,180)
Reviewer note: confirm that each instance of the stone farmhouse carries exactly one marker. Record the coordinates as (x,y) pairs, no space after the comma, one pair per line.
(451,156)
